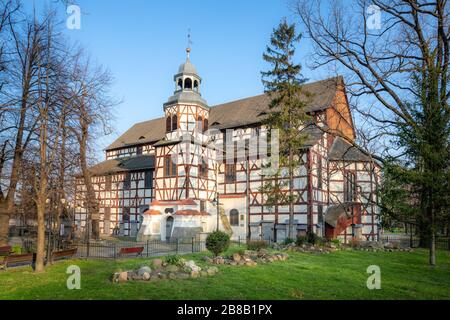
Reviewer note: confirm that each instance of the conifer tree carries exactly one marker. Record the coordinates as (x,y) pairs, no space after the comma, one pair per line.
(283,83)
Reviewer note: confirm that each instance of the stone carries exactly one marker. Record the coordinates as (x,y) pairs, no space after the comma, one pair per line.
(162,276)
(250,253)
(195,274)
(157,263)
(192,266)
(207,259)
(146,276)
(122,277)
(233,263)
(172,276)
(236,257)
(388,245)
(172,268)
(144,269)
(204,273)
(182,275)
(212,271)
(263,252)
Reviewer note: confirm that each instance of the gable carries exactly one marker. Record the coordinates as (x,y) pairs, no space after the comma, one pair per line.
(339,118)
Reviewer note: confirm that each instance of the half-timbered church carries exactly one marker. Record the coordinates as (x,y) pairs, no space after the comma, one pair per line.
(162,179)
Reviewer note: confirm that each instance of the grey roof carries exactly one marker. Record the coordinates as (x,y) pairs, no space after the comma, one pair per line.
(342,150)
(233,114)
(186,96)
(333,214)
(141,162)
(187,67)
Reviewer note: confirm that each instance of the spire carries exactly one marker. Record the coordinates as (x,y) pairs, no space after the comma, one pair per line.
(188,48)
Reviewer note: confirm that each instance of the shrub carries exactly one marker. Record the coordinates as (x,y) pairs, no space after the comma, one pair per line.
(217,242)
(174,259)
(256,245)
(337,242)
(301,240)
(288,241)
(314,239)
(17,250)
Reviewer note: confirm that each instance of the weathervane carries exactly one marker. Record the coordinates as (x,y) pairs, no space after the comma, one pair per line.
(188,49)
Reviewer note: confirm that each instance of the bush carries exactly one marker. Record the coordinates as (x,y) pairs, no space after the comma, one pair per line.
(256,245)
(301,240)
(314,239)
(174,259)
(217,242)
(288,241)
(17,250)
(336,242)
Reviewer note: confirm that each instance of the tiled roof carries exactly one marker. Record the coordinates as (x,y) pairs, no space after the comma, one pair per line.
(233,114)
(343,150)
(124,164)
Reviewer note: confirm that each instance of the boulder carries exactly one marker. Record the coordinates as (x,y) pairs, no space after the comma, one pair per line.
(263,252)
(122,277)
(182,275)
(236,257)
(157,263)
(204,273)
(250,253)
(162,276)
(172,268)
(212,271)
(192,266)
(195,274)
(144,269)
(172,276)
(388,245)
(146,276)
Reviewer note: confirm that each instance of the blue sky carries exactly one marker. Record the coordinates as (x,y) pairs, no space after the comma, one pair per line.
(142,43)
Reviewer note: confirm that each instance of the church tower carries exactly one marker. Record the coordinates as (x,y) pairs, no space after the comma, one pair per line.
(186,112)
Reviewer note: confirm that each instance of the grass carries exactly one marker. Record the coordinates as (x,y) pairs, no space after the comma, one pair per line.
(340,275)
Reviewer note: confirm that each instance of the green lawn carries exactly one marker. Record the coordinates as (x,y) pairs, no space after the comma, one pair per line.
(340,275)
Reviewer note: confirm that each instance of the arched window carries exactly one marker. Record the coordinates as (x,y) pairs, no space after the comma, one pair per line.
(168,123)
(195,85)
(188,83)
(234,217)
(174,122)
(199,123)
(205,125)
(180,84)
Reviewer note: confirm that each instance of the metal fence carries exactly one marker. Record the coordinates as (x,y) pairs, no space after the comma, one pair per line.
(112,250)
(442,243)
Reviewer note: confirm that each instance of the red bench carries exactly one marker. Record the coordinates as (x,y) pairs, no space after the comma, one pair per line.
(131,250)
(16,260)
(63,254)
(5,251)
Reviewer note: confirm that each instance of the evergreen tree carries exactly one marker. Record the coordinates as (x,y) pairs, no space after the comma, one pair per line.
(283,83)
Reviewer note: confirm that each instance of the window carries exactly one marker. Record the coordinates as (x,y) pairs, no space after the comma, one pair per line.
(107,213)
(195,85)
(203,169)
(170,167)
(174,122)
(127,181)
(234,217)
(349,186)
(180,84)
(319,173)
(108,183)
(126,214)
(320,213)
(169,124)
(148,184)
(200,124)
(230,173)
(139,150)
(205,125)
(202,206)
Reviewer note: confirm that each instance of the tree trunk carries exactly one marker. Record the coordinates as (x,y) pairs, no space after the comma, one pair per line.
(91,201)
(291,193)
(40,246)
(432,238)
(4,223)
